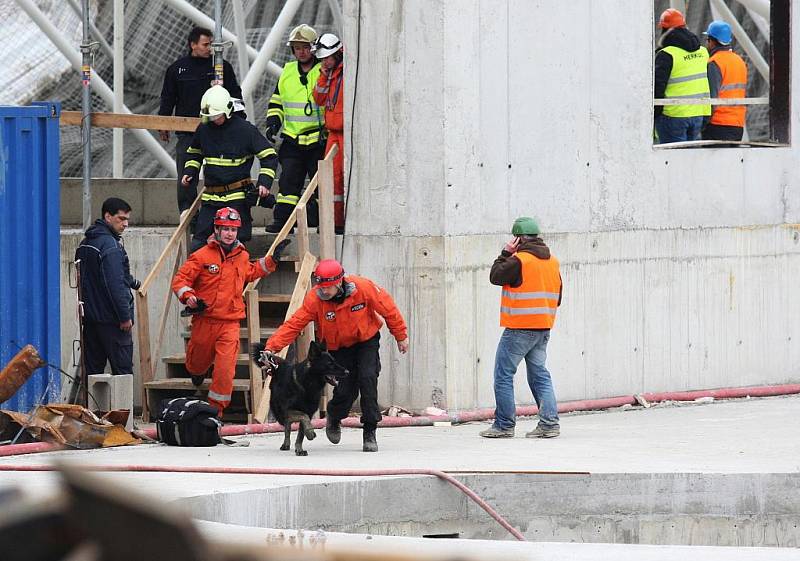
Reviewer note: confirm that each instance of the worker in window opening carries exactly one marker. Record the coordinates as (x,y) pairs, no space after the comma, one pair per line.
(210,283)
(292,106)
(226,144)
(727,79)
(185,82)
(329,93)
(532,288)
(345,310)
(680,72)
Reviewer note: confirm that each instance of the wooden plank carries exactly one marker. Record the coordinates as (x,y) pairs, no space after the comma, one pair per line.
(713,101)
(302,234)
(254,336)
(299,293)
(239,384)
(162,325)
(143,340)
(186,217)
(132,121)
(327,235)
(277,298)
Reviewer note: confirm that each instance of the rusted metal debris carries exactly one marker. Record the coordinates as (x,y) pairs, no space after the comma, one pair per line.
(18,370)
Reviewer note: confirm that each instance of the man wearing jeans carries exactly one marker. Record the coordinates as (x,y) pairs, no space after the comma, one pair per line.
(532,288)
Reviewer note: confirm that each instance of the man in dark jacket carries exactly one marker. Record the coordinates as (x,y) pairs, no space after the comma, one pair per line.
(106,284)
(680,72)
(185,82)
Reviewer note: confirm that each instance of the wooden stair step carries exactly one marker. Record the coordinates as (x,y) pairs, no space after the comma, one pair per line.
(265,332)
(283,298)
(239,385)
(181,359)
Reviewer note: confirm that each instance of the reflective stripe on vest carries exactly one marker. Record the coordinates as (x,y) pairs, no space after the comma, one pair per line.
(532,305)
(688,79)
(294,98)
(733,85)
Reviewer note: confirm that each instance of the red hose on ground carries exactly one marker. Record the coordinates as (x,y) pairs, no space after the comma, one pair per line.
(475,414)
(291,471)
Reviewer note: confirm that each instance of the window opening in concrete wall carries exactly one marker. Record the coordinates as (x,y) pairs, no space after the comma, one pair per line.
(760,33)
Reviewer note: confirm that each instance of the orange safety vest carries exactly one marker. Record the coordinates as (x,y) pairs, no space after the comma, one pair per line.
(532,305)
(734,85)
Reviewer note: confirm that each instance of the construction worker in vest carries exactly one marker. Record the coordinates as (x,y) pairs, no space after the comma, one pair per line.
(531,281)
(226,143)
(346,311)
(292,106)
(210,283)
(680,72)
(727,79)
(329,93)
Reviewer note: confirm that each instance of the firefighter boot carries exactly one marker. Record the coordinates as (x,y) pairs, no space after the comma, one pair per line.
(333,430)
(370,443)
(197,381)
(280,214)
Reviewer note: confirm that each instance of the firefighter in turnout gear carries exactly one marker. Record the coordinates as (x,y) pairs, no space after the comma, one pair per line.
(227,143)
(346,312)
(303,140)
(214,276)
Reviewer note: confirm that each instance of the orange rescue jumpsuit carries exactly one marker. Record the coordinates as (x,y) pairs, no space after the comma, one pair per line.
(217,279)
(329,93)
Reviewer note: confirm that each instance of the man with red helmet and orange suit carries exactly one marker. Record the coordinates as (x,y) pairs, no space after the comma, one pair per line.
(211,283)
(345,312)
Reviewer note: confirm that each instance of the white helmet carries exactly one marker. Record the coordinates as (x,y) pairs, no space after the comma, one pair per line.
(302,34)
(216,101)
(327,45)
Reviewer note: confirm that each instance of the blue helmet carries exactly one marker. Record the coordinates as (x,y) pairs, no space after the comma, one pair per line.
(720,31)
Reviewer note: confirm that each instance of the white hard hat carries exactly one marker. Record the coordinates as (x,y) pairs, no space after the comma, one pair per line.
(302,34)
(216,101)
(327,45)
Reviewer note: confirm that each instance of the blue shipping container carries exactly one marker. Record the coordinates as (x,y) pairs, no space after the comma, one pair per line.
(30,209)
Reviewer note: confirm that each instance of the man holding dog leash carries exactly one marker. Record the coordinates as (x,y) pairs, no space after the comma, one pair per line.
(211,282)
(345,312)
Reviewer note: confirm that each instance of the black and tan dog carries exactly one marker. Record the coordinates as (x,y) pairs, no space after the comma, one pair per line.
(296,389)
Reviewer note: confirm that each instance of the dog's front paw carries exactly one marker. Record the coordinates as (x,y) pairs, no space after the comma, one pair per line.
(310,434)
(301,452)
(284,447)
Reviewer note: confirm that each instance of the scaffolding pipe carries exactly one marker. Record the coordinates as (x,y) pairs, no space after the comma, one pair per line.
(219,76)
(119,87)
(147,140)
(93,29)
(744,40)
(336,12)
(86,115)
(761,7)
(269,47)
(200,18)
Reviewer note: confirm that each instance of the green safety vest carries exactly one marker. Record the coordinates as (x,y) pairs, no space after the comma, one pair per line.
(294,98)
(689,79)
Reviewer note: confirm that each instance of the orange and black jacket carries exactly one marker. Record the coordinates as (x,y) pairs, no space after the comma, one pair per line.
(218,279)
(346,322)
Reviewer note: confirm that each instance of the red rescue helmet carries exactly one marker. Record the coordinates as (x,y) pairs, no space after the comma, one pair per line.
(671,18)
(228,217)
(328,273)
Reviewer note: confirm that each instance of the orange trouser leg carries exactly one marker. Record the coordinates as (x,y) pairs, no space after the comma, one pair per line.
(218,342)
(336,137)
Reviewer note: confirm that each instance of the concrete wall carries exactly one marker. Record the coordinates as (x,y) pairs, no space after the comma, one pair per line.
(679,265)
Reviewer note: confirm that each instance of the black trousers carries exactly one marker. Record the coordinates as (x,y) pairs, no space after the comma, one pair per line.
(296,165)
(722,132)
(107,342)
(186,195)
(205,222)
(364,364)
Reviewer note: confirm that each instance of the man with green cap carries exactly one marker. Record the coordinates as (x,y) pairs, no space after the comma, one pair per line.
(532,289)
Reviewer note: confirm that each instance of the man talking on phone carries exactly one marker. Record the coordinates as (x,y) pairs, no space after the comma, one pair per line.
(532,287)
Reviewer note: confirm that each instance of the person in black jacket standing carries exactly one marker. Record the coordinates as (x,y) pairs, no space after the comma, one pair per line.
(106,284)
(185,82)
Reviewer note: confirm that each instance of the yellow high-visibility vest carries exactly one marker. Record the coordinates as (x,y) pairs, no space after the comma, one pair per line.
(303,119)
(689,79)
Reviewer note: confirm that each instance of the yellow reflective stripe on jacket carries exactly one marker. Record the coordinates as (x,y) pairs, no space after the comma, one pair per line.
(265,152)
(268,172)
(191,150)
(295,97)
(235,196)
(287,199)
(192,164)
(688,80)
(227,162)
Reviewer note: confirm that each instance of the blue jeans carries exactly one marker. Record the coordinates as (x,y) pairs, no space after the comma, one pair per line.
(678,129)
(514,345)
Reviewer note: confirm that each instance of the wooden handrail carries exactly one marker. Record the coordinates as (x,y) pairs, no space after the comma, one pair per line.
(132,121)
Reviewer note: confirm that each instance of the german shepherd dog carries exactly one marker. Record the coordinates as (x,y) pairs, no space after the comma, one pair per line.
(296,389)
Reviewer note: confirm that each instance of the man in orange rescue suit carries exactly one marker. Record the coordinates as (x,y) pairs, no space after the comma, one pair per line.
(329,93)
(345,312)
(727,78)
(211,282)
(532,287)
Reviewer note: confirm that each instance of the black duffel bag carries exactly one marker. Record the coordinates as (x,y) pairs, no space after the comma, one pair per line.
(184,421)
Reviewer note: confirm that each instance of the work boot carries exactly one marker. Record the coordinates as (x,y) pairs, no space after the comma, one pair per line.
(197,381)
(543,431)
(496,432)
(370,443)
(333,430)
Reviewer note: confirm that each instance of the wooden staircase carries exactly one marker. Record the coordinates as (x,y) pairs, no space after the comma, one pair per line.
(269,301)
